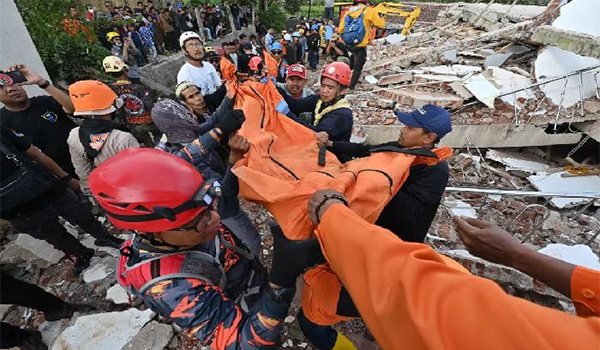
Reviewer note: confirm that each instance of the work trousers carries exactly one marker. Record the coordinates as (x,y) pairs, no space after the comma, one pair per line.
(13,291)
(358,58)
(313,59)
(328,13)
(324,337)
(39,218)
(171,41)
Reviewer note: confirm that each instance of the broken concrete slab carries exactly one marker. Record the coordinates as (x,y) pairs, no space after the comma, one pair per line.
(508,81)
(483,135)
(117,295)
(591,128)
(371,79)
(517,161)
(553,62)
(450,55)
(395,38)
(579,16)
(420,98)
(578,43)
(51,330)
(482,89)
(460,208)
(100,269)
(578,254)
(435,78)
(26,250)
(395,78)
(154,336)
(104,331)
(460,90)
(496,60)
(555,182)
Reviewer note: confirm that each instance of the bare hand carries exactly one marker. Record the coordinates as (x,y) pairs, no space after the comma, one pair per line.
(238,146)
(487,241)
(231,89)
(74,184)
(322,138)
(316,200)
(32,77)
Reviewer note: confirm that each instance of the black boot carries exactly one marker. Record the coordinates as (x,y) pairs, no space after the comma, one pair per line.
(32,341)
(82,262)
(67,311)
(109,241)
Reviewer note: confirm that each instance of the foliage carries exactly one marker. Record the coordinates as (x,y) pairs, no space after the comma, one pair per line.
(274,16)
(65,57)
(293,6)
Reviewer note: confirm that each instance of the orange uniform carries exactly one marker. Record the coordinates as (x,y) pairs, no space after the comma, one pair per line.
(411,299)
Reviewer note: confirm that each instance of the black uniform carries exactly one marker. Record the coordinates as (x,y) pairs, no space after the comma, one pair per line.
(48,127)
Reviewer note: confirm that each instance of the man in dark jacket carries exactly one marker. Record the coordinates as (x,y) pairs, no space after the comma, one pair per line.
(411,211)
(328,111)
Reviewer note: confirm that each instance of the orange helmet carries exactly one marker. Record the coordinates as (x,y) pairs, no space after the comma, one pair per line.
(339,72)
(91,97)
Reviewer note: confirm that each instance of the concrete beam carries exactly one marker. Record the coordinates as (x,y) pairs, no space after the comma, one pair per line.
(578,43)
(485,136)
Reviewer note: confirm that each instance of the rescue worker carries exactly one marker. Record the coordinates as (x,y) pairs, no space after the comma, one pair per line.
(137,102)
(331,111)
(99,137)
(35,191)
(295,82)
(427,302)
(126,51)
(358,49)
(282,64)
(410,212)
(202,74)
(187,266)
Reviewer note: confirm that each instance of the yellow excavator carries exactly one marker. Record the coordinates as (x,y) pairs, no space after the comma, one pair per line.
(389,9)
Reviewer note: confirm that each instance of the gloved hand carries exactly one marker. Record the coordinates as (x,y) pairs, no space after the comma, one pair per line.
(291,258)
(231,122)
(282,107)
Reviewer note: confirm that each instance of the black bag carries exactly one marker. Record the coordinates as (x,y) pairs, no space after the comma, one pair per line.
(24,185)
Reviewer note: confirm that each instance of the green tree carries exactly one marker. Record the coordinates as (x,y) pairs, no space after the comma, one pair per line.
(293,6)
(66,57)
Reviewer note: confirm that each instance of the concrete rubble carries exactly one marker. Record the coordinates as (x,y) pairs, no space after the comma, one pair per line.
(99,269)
(104,331)
(154,336)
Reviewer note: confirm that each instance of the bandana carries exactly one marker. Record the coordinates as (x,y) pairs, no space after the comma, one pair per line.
(93,134)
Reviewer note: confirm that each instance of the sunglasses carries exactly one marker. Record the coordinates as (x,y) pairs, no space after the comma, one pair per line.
(276,52)
(194,224)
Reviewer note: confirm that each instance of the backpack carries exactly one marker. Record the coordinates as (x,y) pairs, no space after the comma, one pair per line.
(354,29)
(196,264)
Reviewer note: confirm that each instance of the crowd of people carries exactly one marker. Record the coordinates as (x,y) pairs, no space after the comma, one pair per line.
(192,255)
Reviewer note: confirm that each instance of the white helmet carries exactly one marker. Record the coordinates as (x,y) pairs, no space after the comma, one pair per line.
(187,36)
(287,37)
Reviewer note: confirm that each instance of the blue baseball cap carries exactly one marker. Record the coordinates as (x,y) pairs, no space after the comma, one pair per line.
(432,118)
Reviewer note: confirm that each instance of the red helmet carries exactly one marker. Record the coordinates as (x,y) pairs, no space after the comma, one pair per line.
(149,190)
(255,63)
(339,72)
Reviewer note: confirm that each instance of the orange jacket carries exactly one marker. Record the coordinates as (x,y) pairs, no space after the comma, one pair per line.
(411,299)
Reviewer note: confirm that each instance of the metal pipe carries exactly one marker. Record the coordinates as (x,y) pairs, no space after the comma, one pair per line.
(590,195)
(551,80)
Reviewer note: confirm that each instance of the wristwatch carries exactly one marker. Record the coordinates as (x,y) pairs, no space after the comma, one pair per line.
(44,85)
(282,294)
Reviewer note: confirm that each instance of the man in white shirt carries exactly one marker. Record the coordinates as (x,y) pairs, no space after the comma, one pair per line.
(204,75)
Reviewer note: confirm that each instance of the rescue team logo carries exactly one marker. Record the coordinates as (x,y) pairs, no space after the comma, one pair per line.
(133,105)
(98,140)
(50,116)
(5,79)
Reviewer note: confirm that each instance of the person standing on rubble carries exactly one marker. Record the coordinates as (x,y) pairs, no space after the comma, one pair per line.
(355,29)
(410,212)
(329,110)
(35,191)
(184,263)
